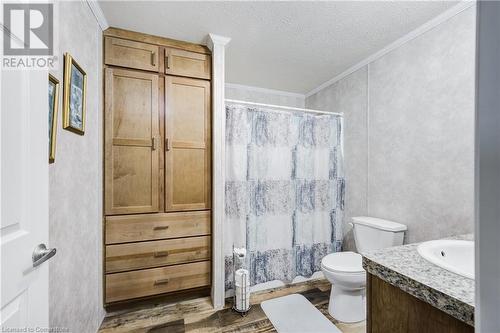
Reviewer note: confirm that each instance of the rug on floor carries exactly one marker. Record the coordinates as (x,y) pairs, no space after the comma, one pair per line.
(295,314)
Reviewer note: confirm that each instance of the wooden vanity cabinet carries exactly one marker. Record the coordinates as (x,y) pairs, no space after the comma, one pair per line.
(157,166)
(390,309)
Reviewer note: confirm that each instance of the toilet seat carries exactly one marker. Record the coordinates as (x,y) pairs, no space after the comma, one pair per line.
(343,262)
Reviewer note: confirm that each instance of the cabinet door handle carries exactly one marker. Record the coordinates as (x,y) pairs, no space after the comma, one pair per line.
(153,58)
(168,144)
(160,254)
(155,143)
(161,227)
(160,282)
(167,61)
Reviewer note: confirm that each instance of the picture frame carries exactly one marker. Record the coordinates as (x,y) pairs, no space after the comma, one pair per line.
(53,94)
(74,96)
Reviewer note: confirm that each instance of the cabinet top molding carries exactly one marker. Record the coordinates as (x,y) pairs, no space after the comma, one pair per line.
(213,39)
(151,39)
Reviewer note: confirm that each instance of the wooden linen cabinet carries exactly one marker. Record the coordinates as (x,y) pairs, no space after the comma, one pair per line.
(157,166)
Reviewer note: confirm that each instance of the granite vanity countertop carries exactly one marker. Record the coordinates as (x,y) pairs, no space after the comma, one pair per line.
(403,267)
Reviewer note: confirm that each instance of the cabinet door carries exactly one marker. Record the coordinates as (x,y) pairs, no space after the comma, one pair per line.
(185,63)
(132,137)
(126,53)
(188,158)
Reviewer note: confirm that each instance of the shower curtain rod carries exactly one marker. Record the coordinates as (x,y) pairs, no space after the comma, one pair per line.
(234,101)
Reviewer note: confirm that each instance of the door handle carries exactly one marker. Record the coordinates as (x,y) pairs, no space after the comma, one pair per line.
(42,254)
(168,144)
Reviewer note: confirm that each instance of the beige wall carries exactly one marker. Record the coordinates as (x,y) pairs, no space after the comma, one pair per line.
(75,190)
(409,132)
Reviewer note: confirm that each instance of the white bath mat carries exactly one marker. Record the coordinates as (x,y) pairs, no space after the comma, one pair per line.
(294,313)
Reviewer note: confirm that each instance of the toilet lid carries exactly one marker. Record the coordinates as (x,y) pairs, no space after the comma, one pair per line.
(349,262)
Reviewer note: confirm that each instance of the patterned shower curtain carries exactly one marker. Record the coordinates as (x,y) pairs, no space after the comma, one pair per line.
(284,191)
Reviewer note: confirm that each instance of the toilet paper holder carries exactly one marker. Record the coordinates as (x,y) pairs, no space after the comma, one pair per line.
(241,282)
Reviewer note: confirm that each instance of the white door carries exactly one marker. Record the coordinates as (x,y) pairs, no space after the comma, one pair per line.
(24,199)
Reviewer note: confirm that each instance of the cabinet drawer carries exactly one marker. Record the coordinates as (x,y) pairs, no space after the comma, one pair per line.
(130,256)
(148,282)
(185,63)
(134,228)
(126,53)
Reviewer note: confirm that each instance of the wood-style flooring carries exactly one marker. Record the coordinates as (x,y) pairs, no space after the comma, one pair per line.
(197,315)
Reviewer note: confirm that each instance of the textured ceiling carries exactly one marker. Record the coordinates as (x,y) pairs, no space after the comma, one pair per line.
(290,46)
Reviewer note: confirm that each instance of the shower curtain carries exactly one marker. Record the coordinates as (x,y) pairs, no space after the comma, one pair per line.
(284,191)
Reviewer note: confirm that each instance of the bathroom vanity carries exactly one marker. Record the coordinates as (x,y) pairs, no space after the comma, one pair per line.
(406,293)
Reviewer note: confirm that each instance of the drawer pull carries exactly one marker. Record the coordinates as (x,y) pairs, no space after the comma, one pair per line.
(153,58)
(161,227)
(161,254)
(167,61)
(160,282)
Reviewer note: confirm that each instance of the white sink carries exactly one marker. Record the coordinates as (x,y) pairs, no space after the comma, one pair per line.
(456,256)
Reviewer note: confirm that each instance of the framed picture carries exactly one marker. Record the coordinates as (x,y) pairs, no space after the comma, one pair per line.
(75,81)
(53,104)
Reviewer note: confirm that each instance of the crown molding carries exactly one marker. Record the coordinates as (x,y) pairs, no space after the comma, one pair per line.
(213,39)
(265,90)
(441,18)
(95,8)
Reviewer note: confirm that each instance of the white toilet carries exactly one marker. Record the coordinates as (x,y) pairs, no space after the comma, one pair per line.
(344,269)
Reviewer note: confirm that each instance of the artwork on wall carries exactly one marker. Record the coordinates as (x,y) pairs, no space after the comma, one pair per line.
(53,105)
(75,81)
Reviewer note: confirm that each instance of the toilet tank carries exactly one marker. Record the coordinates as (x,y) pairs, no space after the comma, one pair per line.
(371,233)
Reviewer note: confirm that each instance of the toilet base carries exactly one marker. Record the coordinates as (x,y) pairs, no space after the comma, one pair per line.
(348,306)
